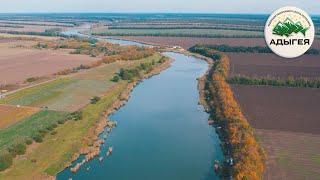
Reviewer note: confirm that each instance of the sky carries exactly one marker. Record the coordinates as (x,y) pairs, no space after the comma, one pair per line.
(166,6)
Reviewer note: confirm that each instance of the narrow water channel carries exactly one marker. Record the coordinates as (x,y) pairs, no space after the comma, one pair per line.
(162,132)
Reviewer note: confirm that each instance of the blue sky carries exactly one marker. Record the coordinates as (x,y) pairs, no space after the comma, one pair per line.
(195,6)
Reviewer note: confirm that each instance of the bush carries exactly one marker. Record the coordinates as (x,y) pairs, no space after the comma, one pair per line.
(49,128)
(28,141)
(17,149)
(95,99)
(37,138)
(53,133)
(43,132)
(5,160)
(77,115)
(32,79)
(54,125)
(61,121)
(115,78)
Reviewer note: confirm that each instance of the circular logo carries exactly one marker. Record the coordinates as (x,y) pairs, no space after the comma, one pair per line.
(289,32)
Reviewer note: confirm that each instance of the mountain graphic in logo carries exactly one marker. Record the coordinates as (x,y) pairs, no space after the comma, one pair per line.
(288,27)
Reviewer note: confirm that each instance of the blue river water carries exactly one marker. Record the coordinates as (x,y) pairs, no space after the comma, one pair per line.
(162,132)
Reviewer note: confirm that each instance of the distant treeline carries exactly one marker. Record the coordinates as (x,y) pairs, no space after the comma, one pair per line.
(289,82)
(205,51)
(186,27)
(38,24)
(10,26)
(178,35)
(247,49)
(45,33)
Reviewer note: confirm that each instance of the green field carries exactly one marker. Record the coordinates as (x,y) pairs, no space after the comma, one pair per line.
(73,92)
(29,126)
(51,156)
(57,150)
(178,32)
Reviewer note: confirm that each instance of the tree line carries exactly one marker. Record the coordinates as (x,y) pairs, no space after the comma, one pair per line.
(237,135)
(177,35)
(288,82)
(131,74)
(247,49)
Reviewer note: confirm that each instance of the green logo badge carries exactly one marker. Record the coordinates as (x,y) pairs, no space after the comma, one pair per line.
(288,27)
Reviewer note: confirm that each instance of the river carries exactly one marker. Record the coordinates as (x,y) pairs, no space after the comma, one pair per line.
(162,132)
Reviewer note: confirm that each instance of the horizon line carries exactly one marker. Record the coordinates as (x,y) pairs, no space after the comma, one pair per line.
(99,12)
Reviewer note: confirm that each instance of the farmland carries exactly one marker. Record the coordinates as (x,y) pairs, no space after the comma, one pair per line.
(265,114)
(29,127)
(12,114)
(64,101)
(19,61)
(63,145)
(65,84)
(282,117)
(187,42)
(73,92)
(271,65)
(211,33)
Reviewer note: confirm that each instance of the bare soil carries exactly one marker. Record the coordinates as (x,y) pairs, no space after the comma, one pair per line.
(278,108)
(271,65)
(18,64)
(290,155)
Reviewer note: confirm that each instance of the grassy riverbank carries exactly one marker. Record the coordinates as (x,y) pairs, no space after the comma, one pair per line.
(44,160)
(239,142)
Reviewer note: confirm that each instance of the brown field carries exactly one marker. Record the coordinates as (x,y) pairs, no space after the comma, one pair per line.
(278,108)
(293,156)
(287,126)
(263,65)
(18,64)
(13,114)
(187,42)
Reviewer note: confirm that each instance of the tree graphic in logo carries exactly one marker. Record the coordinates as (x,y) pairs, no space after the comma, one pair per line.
(288,27)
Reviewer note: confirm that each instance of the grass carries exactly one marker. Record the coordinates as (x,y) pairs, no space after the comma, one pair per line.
(176,32)
(73,92)
(57,150)
(12,114)
(29,126)
(37,95)
(316,159)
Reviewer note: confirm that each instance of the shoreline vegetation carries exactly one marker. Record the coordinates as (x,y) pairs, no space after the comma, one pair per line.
(248,49)
(91,122)
(245,158)
(16,158)
(93,142)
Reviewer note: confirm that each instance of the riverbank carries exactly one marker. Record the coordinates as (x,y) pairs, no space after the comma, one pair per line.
(244,156)
(57,150)
(161,124)
(92,140)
